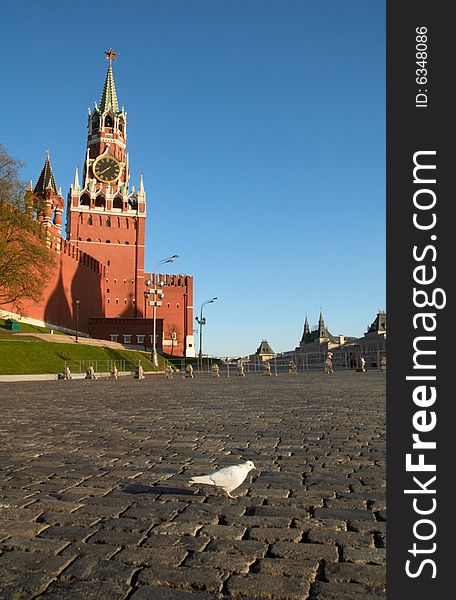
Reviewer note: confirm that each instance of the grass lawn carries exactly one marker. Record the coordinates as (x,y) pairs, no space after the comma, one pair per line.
(27,328)
(30,355)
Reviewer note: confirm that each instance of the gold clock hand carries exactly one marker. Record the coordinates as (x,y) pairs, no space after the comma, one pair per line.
(104,171)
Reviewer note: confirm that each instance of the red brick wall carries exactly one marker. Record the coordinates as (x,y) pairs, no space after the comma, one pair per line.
(76,276)
(104,328)
(176,312)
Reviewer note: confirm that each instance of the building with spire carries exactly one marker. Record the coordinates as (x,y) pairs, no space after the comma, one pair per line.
(100,264)
(105,217)
(319,339)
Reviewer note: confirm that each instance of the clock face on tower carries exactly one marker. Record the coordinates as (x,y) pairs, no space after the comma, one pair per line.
(106,169)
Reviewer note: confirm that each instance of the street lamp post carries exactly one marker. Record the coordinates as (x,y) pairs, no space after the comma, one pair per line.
(155,292)
(77,321)
(202,321)
(146,296)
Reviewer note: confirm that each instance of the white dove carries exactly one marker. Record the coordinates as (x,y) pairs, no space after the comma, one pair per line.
(228,478)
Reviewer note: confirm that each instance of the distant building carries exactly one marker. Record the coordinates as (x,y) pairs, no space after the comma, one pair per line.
(319,339)
(264,352)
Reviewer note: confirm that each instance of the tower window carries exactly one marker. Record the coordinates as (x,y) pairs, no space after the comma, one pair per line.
(100,202)
(108,241)
(84,200)
(89,239)
(109,121)
(89,220)
(117,203)
(108,222)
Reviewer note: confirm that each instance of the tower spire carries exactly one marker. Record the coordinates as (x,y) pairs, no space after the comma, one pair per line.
(109,95)
(46,178)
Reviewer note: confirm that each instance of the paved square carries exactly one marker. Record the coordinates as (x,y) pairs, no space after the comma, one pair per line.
(95,502)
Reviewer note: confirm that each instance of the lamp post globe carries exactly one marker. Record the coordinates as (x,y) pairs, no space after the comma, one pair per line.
(77,320)
(202,321)
(156,293)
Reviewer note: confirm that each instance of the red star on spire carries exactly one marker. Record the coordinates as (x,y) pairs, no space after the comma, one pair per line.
(111,55)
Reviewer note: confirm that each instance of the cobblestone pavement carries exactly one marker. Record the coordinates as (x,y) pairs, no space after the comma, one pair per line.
(95,501)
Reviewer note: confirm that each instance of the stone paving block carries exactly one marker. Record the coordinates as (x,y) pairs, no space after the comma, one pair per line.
(172,556)
(358,515)
(259,521)
(180,528)
(71,534)
(375,556)
(301,502)
(43,503)
(222,532)
(155,592)
(19,514)
(344,591)
(274,534)
(19,562)
(250,549)
(90,567)
(282,512)
(9,528)
(341,538)
(367,526)
(310,524)
(303,551)
(219,561)
(287,567)
(346,503)
(188,542)
(267,586)
(202,579)
(206,511)
(89,590)
(373,575)
(23,585)
(92,510)
(101,551)
(67,519)
(114,538)
(127,525)
(33,544)
(157,512)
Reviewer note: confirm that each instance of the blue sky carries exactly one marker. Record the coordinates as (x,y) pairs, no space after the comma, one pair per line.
(259,127)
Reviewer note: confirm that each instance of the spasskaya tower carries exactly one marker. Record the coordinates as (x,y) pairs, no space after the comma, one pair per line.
(105,218)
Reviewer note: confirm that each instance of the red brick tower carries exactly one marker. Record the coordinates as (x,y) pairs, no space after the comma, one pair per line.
(105,218)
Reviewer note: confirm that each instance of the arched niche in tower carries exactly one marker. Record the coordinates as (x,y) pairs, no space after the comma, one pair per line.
(132,204)
(100,201)
(121,125)
(95,123)
(109,121)
(117,203)
(89,220)
(84,200)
